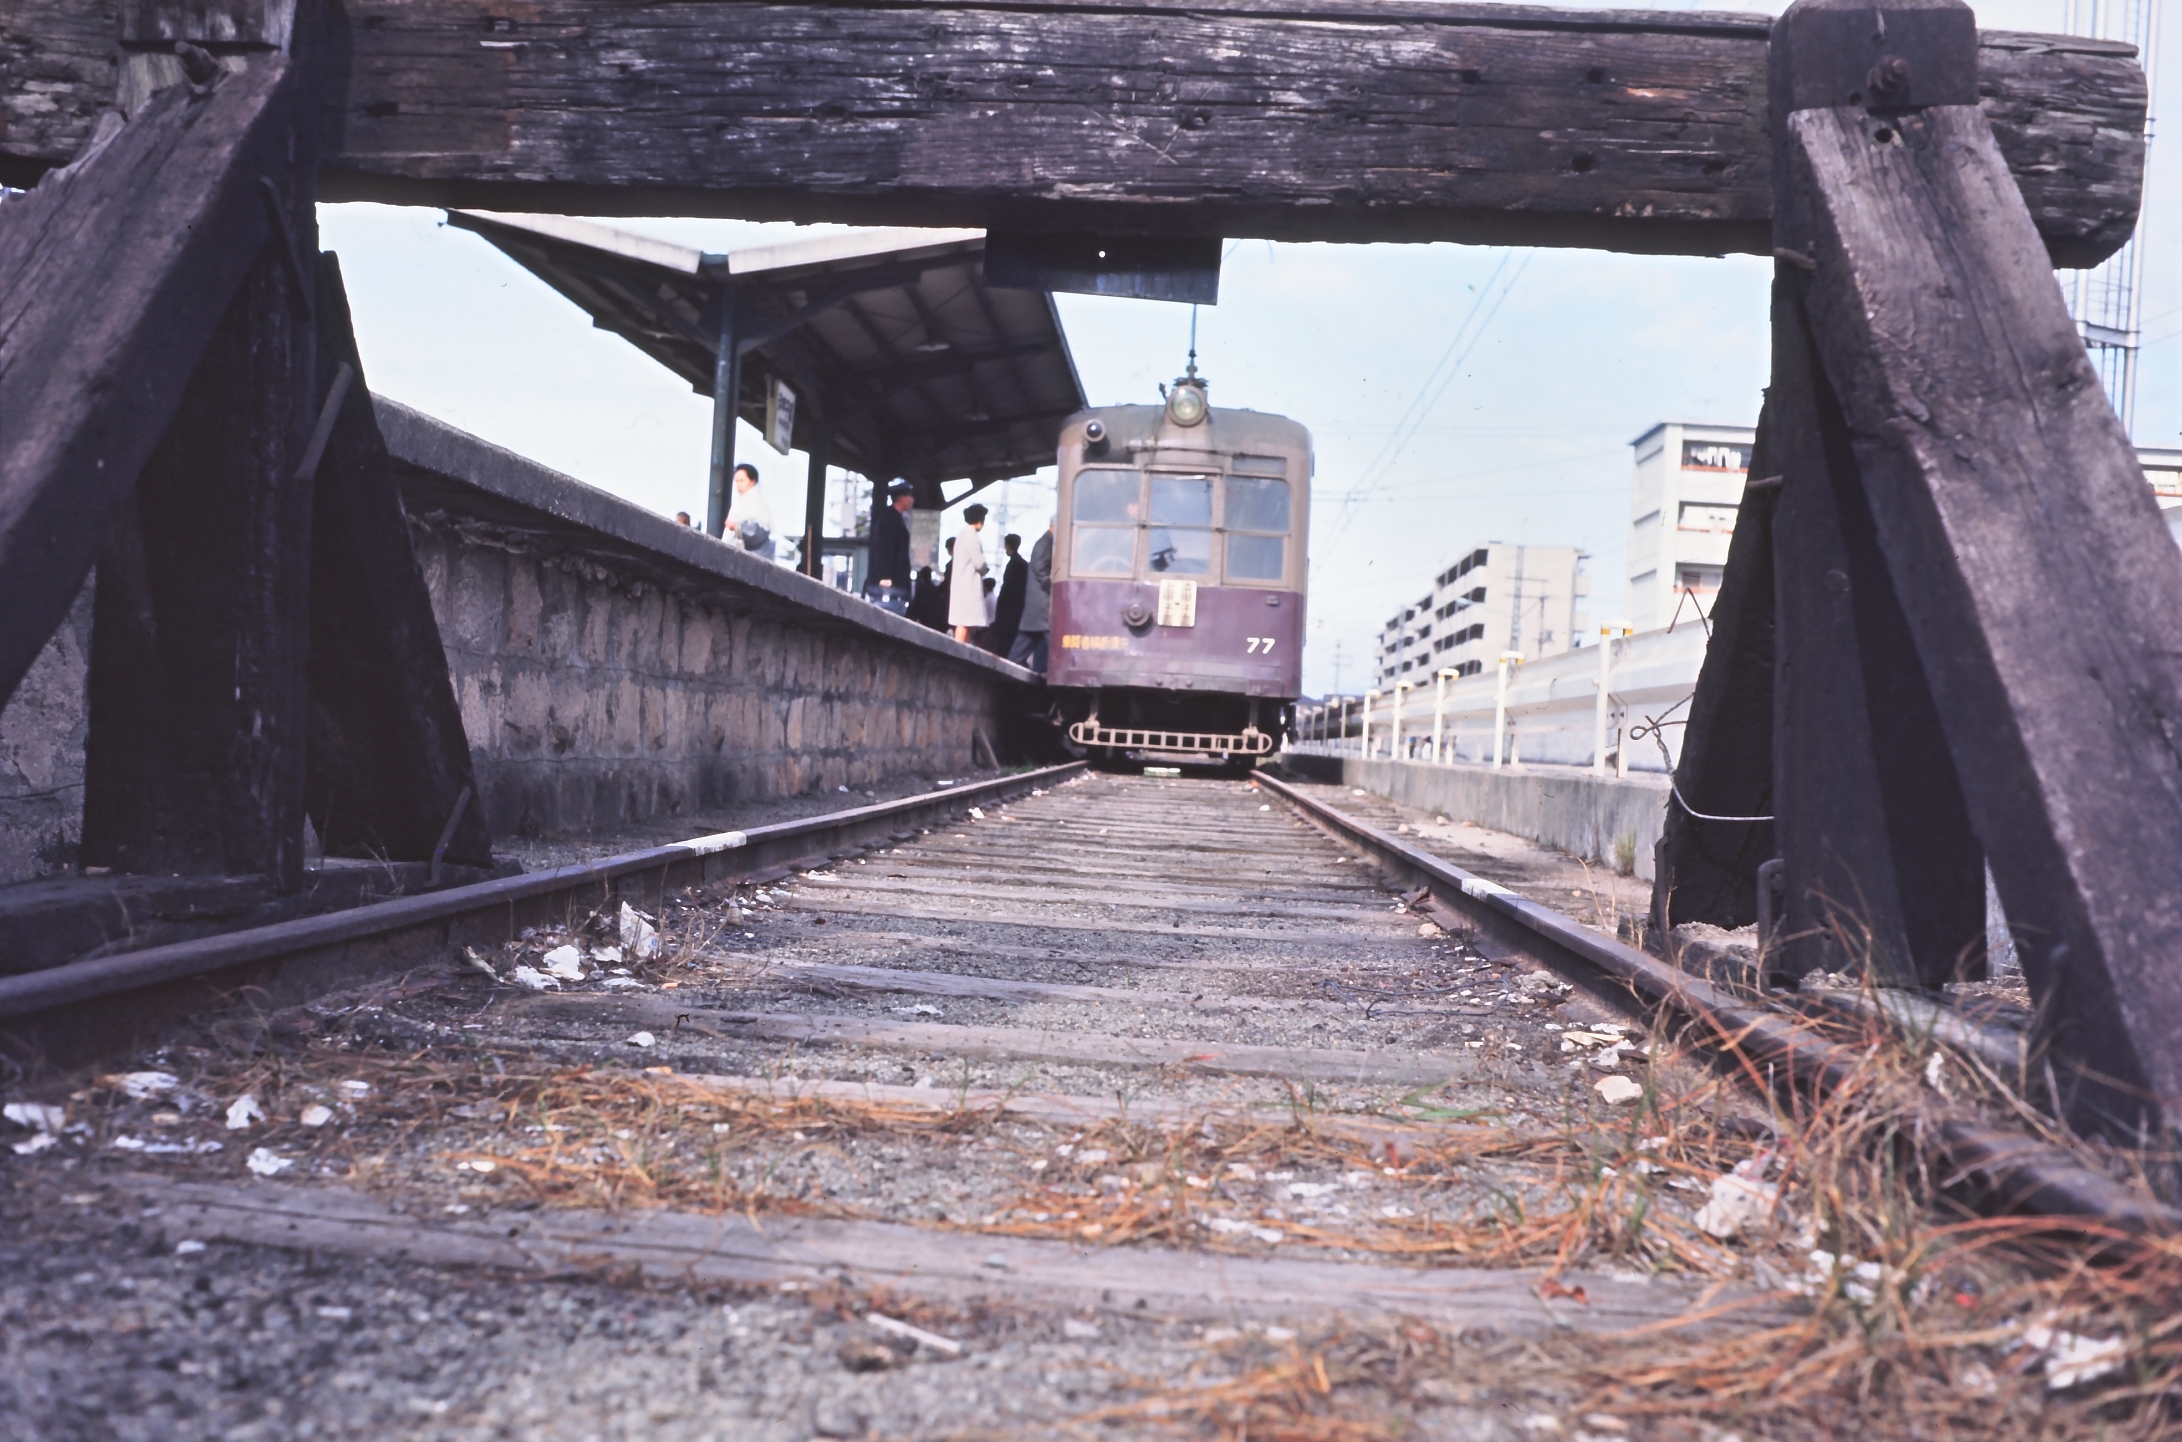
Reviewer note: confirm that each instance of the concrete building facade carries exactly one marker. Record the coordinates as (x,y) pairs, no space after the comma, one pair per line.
(1682,504)
(1687,490)
(1498,598)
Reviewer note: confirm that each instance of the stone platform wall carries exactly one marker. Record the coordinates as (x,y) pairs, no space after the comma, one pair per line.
(612,666)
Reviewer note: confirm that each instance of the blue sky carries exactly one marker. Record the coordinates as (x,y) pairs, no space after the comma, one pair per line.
(1526,441)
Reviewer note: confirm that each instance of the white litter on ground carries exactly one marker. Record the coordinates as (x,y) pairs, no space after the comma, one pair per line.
(315,1115)
(243,1112)
(1618,1089)
(643,1038)
(42,1118)
(38,1116)
(534,979)
(931,1341)
(164,1149)
(1740,1198)
(639,938)
(2071,1359)
(563,962)
(144,1085)
(267,1163)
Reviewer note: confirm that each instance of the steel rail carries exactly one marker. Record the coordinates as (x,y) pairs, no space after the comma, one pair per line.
(78,1009)
(1998,1171)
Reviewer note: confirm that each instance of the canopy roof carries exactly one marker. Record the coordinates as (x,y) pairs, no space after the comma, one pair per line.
(891,337)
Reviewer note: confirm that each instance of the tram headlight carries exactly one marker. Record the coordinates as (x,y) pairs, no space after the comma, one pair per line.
(1186,404)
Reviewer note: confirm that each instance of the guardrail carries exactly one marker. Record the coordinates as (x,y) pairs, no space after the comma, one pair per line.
(1544,711)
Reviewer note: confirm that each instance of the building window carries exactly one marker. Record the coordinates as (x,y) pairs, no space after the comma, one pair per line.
(1698,580)
(1709,518)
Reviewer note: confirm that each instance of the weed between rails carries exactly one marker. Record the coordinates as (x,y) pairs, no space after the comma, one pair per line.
(1915,1320)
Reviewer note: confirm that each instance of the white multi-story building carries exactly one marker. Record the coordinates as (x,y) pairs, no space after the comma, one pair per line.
(1688,486)
(1497,599)
(1683,502)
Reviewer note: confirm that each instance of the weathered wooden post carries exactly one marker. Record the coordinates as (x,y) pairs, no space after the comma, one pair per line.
(1974,453)
(182,400)
(1879,865)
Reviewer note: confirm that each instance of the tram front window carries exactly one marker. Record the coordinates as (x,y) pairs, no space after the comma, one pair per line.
(1181,525)
(1106,497)
(1105,510)
(1256,505)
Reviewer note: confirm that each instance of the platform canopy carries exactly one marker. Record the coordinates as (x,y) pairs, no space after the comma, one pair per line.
(904,363)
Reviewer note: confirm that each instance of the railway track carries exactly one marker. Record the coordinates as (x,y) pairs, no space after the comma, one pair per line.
(1113,1103)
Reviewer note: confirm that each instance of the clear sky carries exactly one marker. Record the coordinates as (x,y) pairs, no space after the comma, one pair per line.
(1521,436)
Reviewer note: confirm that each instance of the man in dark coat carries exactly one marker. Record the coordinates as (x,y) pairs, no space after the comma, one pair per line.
(1008,611)
(1036,620)
(889,573)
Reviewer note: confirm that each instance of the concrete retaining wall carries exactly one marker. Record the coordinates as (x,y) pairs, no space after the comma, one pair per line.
(612,666)
(1575,811)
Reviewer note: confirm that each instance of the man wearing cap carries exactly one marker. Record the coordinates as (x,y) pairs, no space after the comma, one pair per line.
(888,576)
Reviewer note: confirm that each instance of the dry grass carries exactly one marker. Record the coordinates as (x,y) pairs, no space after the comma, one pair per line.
(1939,1333)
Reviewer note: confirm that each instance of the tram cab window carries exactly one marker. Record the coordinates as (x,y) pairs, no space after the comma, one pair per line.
(1105,511)
(1106,497)
(1256,505)
(1182,525)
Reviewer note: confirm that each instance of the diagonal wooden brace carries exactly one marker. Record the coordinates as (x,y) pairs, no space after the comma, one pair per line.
(114,275)
(2029,562)
(389,762)
(1706,869)
(1879,868)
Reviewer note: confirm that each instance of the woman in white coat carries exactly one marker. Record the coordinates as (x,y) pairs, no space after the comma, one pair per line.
(966,592)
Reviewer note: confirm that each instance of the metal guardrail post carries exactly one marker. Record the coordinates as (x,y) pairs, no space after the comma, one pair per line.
(1500,706)
(1607,634)
(1439,717)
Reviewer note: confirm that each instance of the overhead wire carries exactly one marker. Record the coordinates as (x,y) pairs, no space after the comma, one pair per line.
(1436,382)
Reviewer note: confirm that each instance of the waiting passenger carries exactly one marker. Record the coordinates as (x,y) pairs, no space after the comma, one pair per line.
(928,607)
(750,518)
(1008,612)
(889,571)
(965,597)
(1030,633)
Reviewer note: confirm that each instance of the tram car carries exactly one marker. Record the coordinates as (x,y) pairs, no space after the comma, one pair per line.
(1178,579)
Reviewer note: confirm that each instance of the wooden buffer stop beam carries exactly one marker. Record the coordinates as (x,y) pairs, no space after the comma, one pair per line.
(1891,694)
(1329,120)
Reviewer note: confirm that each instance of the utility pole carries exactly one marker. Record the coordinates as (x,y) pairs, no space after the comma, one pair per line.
(1515,608)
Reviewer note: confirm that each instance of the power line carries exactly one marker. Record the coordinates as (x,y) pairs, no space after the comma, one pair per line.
(1436,383)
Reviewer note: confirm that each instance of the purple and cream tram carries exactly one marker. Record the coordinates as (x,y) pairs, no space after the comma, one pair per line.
(1178,579)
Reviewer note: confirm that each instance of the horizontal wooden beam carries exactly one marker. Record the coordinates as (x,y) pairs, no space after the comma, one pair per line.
(1332,120)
